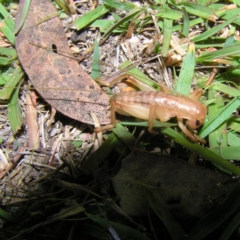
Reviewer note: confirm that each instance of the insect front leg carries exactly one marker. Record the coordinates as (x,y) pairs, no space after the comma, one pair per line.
(113,119)
(188,133)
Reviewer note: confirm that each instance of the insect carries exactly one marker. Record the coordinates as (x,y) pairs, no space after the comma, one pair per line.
(150,105)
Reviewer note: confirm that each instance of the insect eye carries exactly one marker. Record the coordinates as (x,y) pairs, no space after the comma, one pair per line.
(193,124)
(54,48)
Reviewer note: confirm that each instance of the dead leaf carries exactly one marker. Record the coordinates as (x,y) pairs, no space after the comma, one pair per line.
(187,191)
(59,80)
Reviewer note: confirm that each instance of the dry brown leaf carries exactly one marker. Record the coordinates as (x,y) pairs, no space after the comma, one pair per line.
(32,124)
(184,189)
(59,80)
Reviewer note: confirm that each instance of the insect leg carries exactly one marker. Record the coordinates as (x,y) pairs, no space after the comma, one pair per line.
(188,133)
(113,114)
(117,78)
(113,120)
(152,117)
(185,130)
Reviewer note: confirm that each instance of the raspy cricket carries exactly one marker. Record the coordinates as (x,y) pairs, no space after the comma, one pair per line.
(163,105)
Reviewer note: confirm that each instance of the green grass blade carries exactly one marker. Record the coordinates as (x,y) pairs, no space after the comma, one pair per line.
(11,84)
(126,6)
(187,72)
(222,116)
(199,10)
(5,61)
(103,25)
(222,53)
(209,45)
(7,31)
(121,21)
(214,30)
(233,139)
(124,135)
(204,152)
(218,136)
(232,73)
(10,22)
(68,212)
(14,111)
(165,12)
(226,13)
(229,41)
(226,89)
(89,17)
(157,124)
(23,14)
(185,29)
(3,11)
(96,72)
(227,152)
(63,5)
(5,76)
(193,22)
(127,232)
(7,216)
(10,52)
(167,35)
(234,124)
